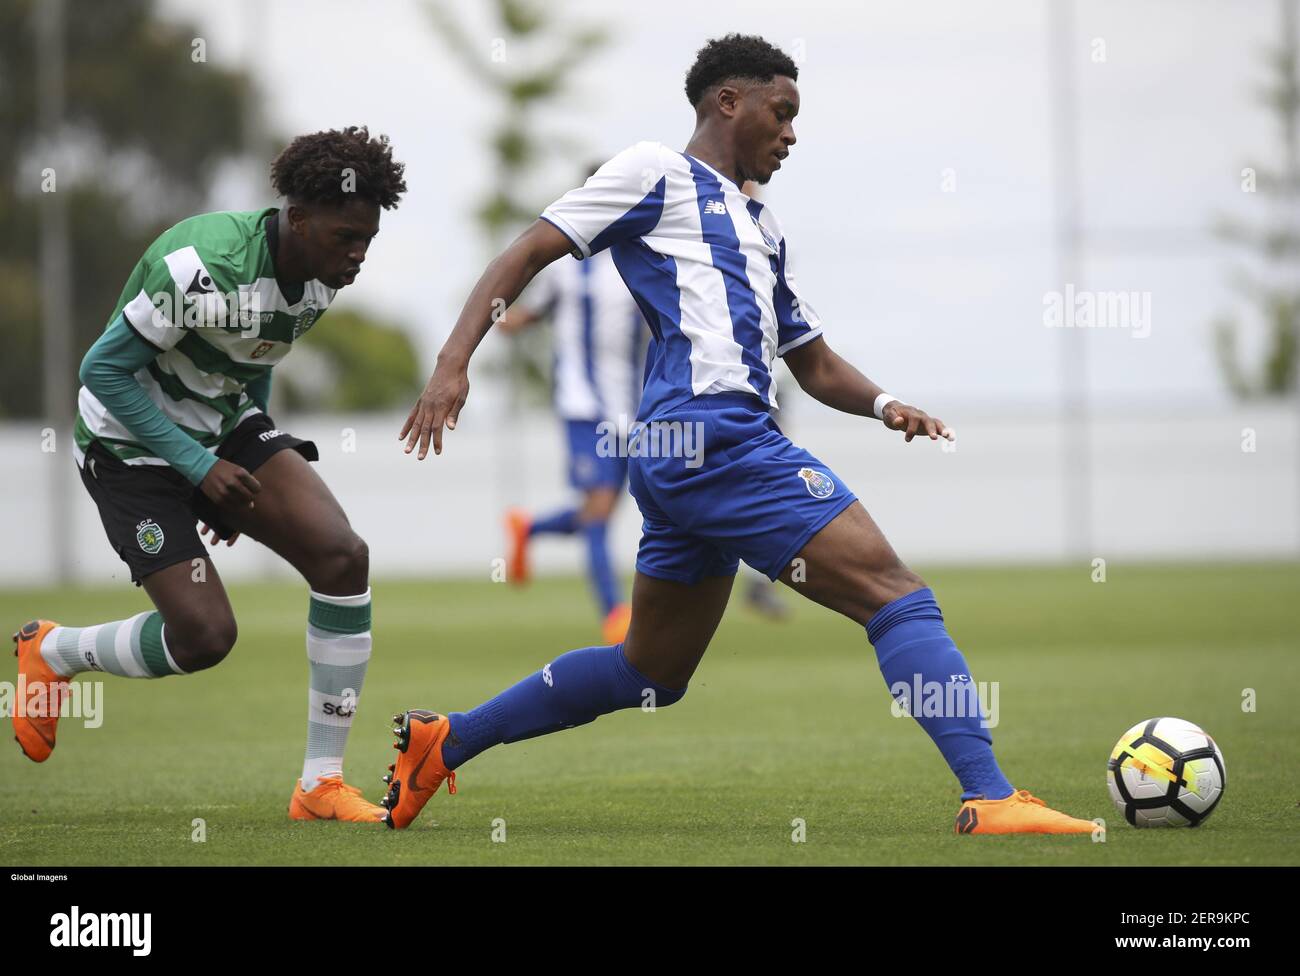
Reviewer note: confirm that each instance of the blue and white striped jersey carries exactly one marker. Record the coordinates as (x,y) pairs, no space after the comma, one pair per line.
(600,338)
(707,265)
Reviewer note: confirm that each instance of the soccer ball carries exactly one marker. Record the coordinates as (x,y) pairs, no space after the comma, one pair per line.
(1165,772)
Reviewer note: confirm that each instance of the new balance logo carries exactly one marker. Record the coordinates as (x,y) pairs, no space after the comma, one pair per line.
(267,435)
(715,207)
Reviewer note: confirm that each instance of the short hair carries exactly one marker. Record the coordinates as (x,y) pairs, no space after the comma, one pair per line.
(736,56)
(311,168)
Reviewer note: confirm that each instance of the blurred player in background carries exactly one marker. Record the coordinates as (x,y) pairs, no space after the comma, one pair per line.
(172,429)
(600,340)
(712,273)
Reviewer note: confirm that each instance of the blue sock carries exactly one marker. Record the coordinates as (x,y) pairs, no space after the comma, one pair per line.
(559,523)
(913,647)
(572,690)
(599,570)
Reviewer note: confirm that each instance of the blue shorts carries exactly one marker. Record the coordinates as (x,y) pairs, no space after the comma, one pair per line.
(736,489)
(588,469)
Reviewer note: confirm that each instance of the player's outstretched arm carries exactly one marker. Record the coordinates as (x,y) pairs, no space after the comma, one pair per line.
(828,378)
(499,285)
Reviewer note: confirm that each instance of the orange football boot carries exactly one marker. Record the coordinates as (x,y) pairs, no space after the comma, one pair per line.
(518,525)
(333,799)
(616,623)
(1019,813)
(419,770)
(34,729)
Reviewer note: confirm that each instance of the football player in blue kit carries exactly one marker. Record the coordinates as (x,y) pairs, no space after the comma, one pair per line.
(713,275)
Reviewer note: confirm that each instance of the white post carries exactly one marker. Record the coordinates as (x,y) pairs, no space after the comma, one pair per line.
(56,283)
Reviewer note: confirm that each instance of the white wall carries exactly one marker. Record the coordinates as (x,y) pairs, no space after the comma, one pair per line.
(1162,487)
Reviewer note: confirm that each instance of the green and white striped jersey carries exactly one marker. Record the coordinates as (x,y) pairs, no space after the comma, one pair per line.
(205,296)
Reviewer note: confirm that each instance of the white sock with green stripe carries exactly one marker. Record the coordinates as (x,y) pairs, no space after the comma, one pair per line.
(338,651)
(131,648)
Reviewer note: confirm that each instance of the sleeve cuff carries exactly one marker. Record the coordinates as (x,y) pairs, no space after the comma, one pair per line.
(199,470)
(140,335)
(799,341)
(580,248)
(153,326)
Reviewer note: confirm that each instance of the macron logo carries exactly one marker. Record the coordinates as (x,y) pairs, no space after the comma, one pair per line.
(76,931)
(715,207)
(267,435)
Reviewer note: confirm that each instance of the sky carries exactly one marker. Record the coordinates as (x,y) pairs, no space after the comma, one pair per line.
(921,200)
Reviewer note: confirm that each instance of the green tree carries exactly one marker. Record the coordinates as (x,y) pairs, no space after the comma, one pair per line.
(526,62)
(149,121)
(1277,244)
(349,363)
(146,126)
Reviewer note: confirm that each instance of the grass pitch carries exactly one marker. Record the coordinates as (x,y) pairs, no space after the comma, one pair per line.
(784,723)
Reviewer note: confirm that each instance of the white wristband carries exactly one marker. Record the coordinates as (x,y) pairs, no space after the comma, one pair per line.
(882,401)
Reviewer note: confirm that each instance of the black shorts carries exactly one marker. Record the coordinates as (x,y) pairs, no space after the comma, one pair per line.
(150,511)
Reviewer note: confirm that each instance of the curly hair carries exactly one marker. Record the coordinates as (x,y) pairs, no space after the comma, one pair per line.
(736,56)
(311,168)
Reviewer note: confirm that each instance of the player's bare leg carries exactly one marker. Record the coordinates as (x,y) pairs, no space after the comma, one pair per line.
(192,629)
(298,518)
(672,624)
(850,567)
(198,623)
(598,504)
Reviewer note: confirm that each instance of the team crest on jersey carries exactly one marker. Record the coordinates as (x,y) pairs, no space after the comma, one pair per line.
(150,536)
(306,318)
(818,484)
(768,239)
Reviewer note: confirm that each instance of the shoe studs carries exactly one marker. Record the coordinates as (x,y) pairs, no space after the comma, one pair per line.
(403,733)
